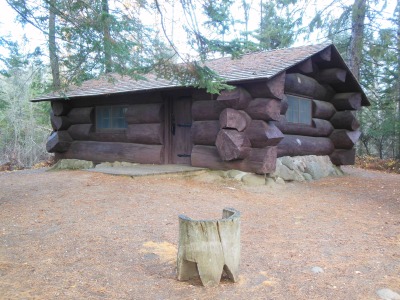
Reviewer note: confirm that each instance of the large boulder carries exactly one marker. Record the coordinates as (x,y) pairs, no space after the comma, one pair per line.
(305,168)
(72,164)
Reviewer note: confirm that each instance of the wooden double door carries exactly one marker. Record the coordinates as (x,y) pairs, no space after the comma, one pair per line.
(178,124)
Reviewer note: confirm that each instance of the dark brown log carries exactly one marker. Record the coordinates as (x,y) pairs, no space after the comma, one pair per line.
(272,88)
(323,127)
(347,101)
(284,105)
(53,125)
(119,99)
(209,247)
(207,157)
(319,127)
(81,115)
(332,76)
(330,92)
(205,132)
(305,67)
(262,134)
(300,84)
(201,94)
(322,109)
(295,145)
(237,98)
(129,152)
(108,136)
(59,122)
(80,131)
(234,119)
(145,113)
(232,144)
(260,161)
(266,109)
(206,110)
(58,141)
(151,134)
(344,139)
(341,157)
(345,120)
(60,108)
(324,55)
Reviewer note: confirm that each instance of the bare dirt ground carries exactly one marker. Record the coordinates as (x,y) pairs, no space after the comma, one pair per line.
(82,235)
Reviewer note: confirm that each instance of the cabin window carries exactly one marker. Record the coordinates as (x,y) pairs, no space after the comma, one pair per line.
(110,117)
(299,110)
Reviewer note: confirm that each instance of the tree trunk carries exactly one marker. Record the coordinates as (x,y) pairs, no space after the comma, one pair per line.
(397,128)
(357,36)
(54,64)
(105,16)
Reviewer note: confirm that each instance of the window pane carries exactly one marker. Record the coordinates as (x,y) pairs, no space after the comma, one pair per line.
(110,117)
(299,110)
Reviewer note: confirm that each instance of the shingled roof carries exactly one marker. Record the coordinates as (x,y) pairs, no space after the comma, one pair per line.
(258,65)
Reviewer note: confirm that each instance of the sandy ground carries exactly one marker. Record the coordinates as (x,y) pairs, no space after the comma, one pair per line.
(82,235)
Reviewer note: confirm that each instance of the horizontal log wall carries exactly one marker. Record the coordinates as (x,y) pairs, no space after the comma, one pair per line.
(294,145)
(319,127)
(259,161)
(112,151)
(204,110)
(205,132)
(145,113)
(151,134)
(333,110)
(77,137)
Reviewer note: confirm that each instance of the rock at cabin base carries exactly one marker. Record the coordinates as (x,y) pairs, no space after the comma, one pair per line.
(72,164)
(305,168)
(253,179)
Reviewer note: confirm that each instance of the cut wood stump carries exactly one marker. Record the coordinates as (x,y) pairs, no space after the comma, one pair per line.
(207,248)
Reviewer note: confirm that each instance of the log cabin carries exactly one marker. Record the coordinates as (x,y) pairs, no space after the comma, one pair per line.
(286,102)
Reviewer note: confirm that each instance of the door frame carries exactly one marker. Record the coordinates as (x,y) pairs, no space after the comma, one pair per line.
(169,101)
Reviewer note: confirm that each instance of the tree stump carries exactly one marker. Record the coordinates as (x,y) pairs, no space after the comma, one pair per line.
(209,247)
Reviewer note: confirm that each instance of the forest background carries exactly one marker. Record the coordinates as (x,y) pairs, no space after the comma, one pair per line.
(47,45)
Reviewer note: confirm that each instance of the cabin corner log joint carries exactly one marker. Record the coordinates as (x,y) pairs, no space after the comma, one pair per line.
(305,106)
